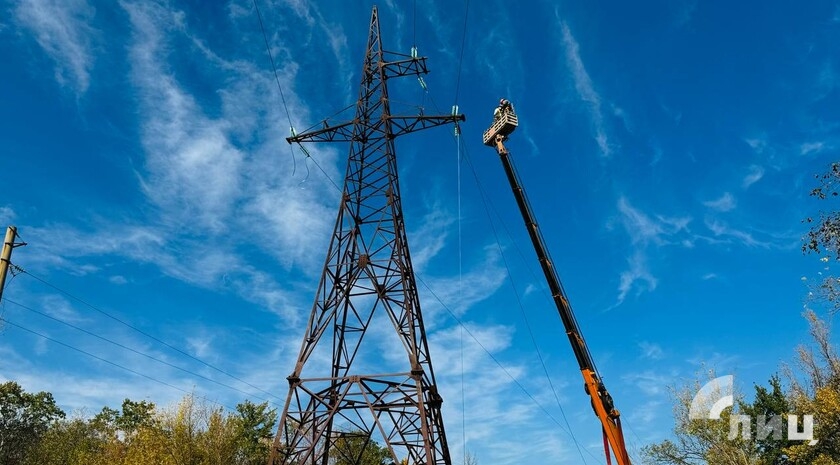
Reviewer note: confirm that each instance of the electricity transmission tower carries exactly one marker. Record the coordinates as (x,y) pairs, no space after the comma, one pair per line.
(367,286)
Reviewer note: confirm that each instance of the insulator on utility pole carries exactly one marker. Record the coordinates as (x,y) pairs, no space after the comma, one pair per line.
(6,255)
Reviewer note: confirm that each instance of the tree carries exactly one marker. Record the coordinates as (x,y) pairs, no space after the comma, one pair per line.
(255,430)
(767,404)
(219,441)
(132,417)
(69,442)
(700,441)
(818,394)
(24,418)
(824,234)
(357,448)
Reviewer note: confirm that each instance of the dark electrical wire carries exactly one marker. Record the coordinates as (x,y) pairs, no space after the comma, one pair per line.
(457,94)
(144,333)
(463,43)
(277,80)
(329,178)
(285,107)
(485,199)
(273,66)
(56,341)
(499,364)
(522,311)
(150,357)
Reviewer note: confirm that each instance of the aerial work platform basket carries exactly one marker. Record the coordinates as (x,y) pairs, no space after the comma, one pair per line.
(503,125)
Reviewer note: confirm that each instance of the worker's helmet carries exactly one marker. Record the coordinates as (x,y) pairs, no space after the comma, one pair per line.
(501,101)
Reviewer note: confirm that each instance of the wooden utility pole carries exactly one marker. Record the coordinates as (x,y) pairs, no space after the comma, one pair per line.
(6,255)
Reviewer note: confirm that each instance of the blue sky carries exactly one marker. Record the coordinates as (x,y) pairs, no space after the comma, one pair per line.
(667,147)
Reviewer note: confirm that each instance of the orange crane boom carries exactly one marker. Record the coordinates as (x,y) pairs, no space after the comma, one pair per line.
(505,122)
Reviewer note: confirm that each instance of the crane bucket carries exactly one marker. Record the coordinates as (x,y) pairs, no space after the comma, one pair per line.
(505,124)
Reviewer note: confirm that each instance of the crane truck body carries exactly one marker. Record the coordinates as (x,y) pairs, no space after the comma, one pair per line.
(504,123)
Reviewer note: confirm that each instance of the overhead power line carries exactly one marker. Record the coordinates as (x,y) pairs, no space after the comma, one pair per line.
(486,200)
(463,44)
(502,367)
(146,334)
(109,362)
(130,349)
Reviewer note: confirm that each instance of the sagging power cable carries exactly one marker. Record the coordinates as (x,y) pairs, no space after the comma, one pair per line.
(104,360)
(125,347)
(144,333)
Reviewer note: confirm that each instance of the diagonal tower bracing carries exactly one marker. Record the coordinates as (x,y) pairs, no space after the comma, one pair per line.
(367,279)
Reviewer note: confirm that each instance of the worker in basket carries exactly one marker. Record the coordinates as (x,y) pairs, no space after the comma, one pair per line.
(504,106)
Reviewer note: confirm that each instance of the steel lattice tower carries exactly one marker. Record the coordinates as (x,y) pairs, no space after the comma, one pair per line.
(368,273)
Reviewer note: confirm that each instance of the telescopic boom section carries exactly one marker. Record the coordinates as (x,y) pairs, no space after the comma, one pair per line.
(602,402)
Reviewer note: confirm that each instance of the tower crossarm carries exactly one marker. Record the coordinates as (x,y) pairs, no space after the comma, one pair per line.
(343,132)
(328,133)
(404,124)
(409,67)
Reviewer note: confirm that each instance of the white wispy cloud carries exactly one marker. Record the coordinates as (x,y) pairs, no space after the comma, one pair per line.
(649,382)
(724,203)
(754,175)
(492,393)
(7,215)
(118,279)
(758,144)
(637,277)
(333,32)
(646,414)
(585,89)
(684,11)
(193,167)
(58,307)
(646,230)
(460,293)
(63,30)
(430,238)
(200,344)
(722,230)
(651,350)
(495,52)
(808,148)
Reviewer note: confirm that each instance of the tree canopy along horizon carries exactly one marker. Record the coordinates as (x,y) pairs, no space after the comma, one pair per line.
(35,431)
(810,384)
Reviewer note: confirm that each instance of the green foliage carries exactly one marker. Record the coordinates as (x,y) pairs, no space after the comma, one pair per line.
(769,403)
(699,441)
(255,430)
(816,391)
(72,442)
(132,417)
(24,419)
(825,406)
(824,234)
(356,448)
(190,433)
